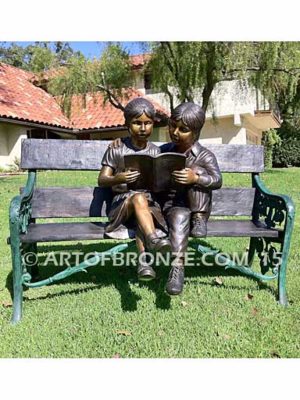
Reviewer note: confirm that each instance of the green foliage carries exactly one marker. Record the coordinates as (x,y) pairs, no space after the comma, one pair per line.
(80,77)
(115,65)
(81,316)
(42,59)
(182,70)
(272,67)
(110,74)
(288,153)
(37,58)
(270,138)
(186,66)
(15,55)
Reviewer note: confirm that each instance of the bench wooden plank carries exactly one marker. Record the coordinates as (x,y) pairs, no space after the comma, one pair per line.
(238,157)
(95,231)
(64,232)
(59,202)
(87,155)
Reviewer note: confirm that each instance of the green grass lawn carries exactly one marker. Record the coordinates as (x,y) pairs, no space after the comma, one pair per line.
(108,313)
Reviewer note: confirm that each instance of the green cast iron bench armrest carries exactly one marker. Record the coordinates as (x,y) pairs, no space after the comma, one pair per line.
(272,207)
(20,206)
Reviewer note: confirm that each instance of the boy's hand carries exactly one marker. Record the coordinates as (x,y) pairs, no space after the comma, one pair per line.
(127,177)
(115,144)
(185,177)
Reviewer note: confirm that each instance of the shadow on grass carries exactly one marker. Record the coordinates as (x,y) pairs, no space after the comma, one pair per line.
(215,271)
(121,277)
(101,276)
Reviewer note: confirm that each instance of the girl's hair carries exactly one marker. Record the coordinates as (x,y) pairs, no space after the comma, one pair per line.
(136,107)
(192,115)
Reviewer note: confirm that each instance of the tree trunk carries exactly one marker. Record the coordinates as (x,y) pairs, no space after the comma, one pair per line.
(206,93)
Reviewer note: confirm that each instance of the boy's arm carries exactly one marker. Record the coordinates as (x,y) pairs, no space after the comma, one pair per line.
(209,176)
(204,173)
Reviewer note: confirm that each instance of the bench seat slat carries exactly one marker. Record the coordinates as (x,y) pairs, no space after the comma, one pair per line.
(95,231)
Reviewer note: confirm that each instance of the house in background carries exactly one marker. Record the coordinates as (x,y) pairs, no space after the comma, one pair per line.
(237,114)
(28,111)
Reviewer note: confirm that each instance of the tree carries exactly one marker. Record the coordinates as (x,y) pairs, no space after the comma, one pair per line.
(182,69)
(15,55)
(270,139)
(273,67)
(110,75)
(38,57)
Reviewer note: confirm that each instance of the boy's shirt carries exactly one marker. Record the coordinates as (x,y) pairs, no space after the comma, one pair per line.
(201,159)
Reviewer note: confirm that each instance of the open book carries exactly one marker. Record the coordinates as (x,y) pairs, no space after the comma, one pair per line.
(155,170)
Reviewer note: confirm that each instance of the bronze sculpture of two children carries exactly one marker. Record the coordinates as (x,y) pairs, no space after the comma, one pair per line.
(163,221)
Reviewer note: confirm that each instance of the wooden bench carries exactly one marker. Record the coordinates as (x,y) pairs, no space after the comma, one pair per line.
(268,223)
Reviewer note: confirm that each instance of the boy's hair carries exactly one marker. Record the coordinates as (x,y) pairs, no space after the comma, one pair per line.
(192,115)
(136,107)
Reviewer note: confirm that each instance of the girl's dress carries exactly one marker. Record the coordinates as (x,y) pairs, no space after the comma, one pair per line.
(120,222)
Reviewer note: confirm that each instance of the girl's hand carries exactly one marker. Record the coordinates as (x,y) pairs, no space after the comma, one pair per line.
(127,176)
(185,177)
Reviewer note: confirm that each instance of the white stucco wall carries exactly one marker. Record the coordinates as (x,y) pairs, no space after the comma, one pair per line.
(228,98)
(10,143)
(223,131)
(138,78)
(234,97)
(233,105)
(3,142)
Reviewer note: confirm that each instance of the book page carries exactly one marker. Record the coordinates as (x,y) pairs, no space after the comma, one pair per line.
(155,170)
(164,164)
(142,163)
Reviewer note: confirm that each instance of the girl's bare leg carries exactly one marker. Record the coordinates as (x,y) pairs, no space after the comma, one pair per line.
(143,214)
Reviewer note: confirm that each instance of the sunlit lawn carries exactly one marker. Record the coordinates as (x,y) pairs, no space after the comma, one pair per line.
(106,312)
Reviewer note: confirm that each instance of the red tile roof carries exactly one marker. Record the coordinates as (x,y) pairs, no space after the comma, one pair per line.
(96,115)
(139,60)
(20,99)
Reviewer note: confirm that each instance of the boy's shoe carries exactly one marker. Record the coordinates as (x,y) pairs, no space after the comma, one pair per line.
(199,225)
(157,244)
(175,281)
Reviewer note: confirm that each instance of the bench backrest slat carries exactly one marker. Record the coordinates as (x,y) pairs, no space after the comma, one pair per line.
(87,155)
(95,202)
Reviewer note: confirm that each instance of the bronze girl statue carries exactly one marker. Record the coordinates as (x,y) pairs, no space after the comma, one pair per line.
(134,208)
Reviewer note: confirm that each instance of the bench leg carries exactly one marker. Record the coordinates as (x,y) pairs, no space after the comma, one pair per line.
(282,296)
(31,262)
(282,287)
(17,281)
(251,251)
(278,264)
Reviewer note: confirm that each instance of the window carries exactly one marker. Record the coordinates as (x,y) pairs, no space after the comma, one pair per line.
(42,134)
(148,81)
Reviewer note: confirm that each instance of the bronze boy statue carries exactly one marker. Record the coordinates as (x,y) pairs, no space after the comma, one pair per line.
(198,179)
(130,206)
